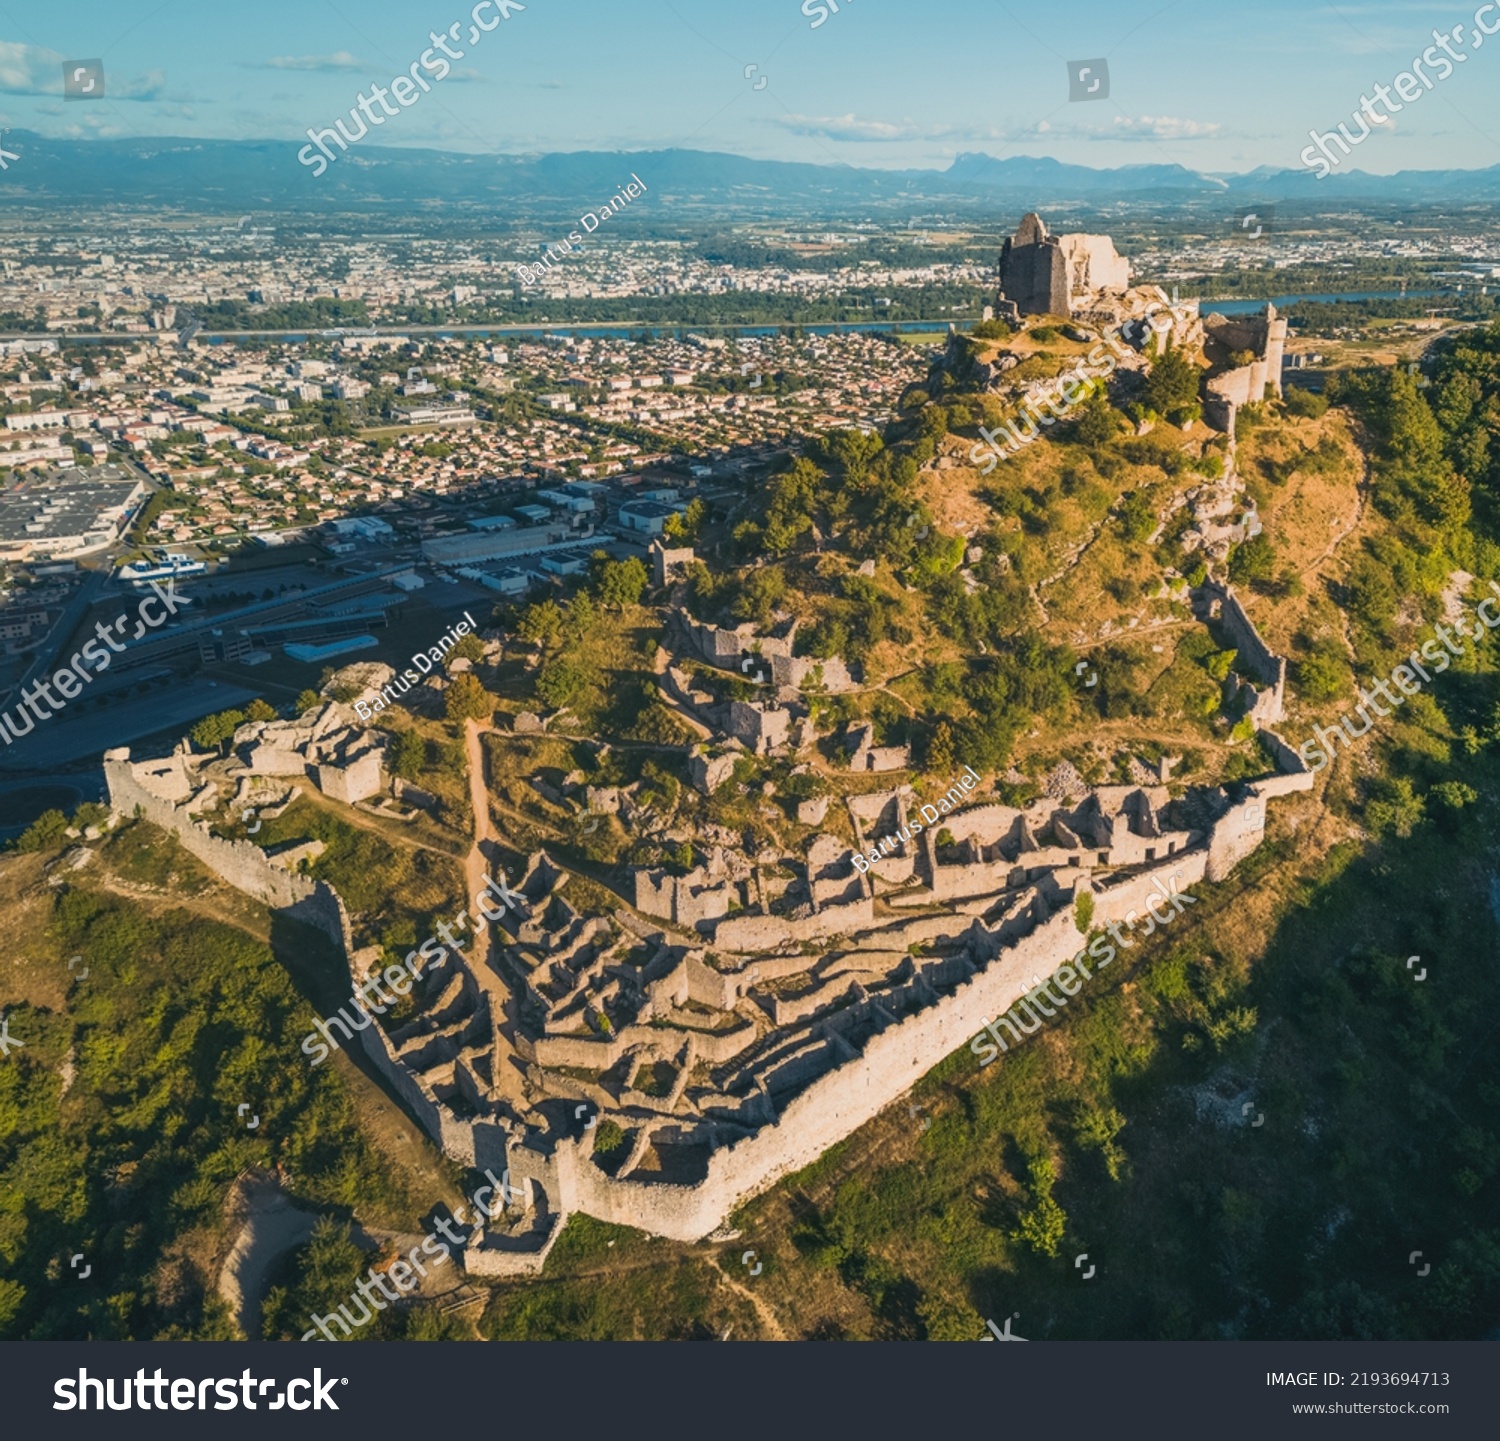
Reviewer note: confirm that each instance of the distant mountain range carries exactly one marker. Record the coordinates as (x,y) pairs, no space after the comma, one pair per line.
(229,175)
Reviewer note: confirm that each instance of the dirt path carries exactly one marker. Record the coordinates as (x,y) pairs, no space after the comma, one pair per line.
(479,795)
(397,833)
(508,1063)
(1129,633)
(1362,495)
(768,1321)
(272,1227)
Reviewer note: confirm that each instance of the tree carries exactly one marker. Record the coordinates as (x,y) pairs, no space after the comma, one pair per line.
(1043,1226)
(43,833)
(940,755)
(608,1139)
(684,527)
(308,700)
(1218,663)
(1306,403)
(559,681)
(466,699)
(258,710)
(469,647)
(580,616)
(1254,560)
(793,497)
(214,730)
(1172,384)
(1396,809)
(541,624)
(1138,518)
(1097,423)
(618,583)
(408,755)
(1083,912)
(1323,672)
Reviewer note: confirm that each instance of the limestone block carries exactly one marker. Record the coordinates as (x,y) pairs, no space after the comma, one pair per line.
(812,813)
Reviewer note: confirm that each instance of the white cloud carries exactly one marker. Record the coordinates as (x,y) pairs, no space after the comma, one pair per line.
(1158,127)
(339,60)
(1119,127)
(150,86)
(844,127)
(29,69)
(851,127)
(33,70)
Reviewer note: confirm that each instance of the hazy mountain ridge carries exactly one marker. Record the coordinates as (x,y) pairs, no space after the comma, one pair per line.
(228,174)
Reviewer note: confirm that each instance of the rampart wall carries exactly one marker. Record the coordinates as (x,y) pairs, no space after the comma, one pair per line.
(241,863)
(757,933)
(1256,656)
(832,1105)
(830,1108)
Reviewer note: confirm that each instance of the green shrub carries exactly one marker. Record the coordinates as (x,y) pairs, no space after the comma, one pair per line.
(1083,912)
(1306,403)
(43,833)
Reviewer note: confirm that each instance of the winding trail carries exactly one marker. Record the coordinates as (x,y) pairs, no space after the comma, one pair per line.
(768,1321)
(1362,493)
(509,1064)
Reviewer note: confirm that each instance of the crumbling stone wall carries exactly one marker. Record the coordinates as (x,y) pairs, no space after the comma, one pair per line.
(243,865)
(1264,336)
(1034,270)
(1289,760)
(357,779)
(1235,834)
(765,933)
(240,863)
(1269,706)
(841,1087)
(832,1106)
(726,648)
(590,1054)
(761,726)
(1093,264)
(691,900)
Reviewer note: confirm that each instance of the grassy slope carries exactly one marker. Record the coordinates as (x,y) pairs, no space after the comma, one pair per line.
(1121,1130)
(180,1018)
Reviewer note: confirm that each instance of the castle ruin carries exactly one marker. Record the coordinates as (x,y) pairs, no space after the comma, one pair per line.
(1046,274)
(1263,338)
(732,1026)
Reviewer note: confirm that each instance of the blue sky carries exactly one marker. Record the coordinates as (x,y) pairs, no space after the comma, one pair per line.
(885,83)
